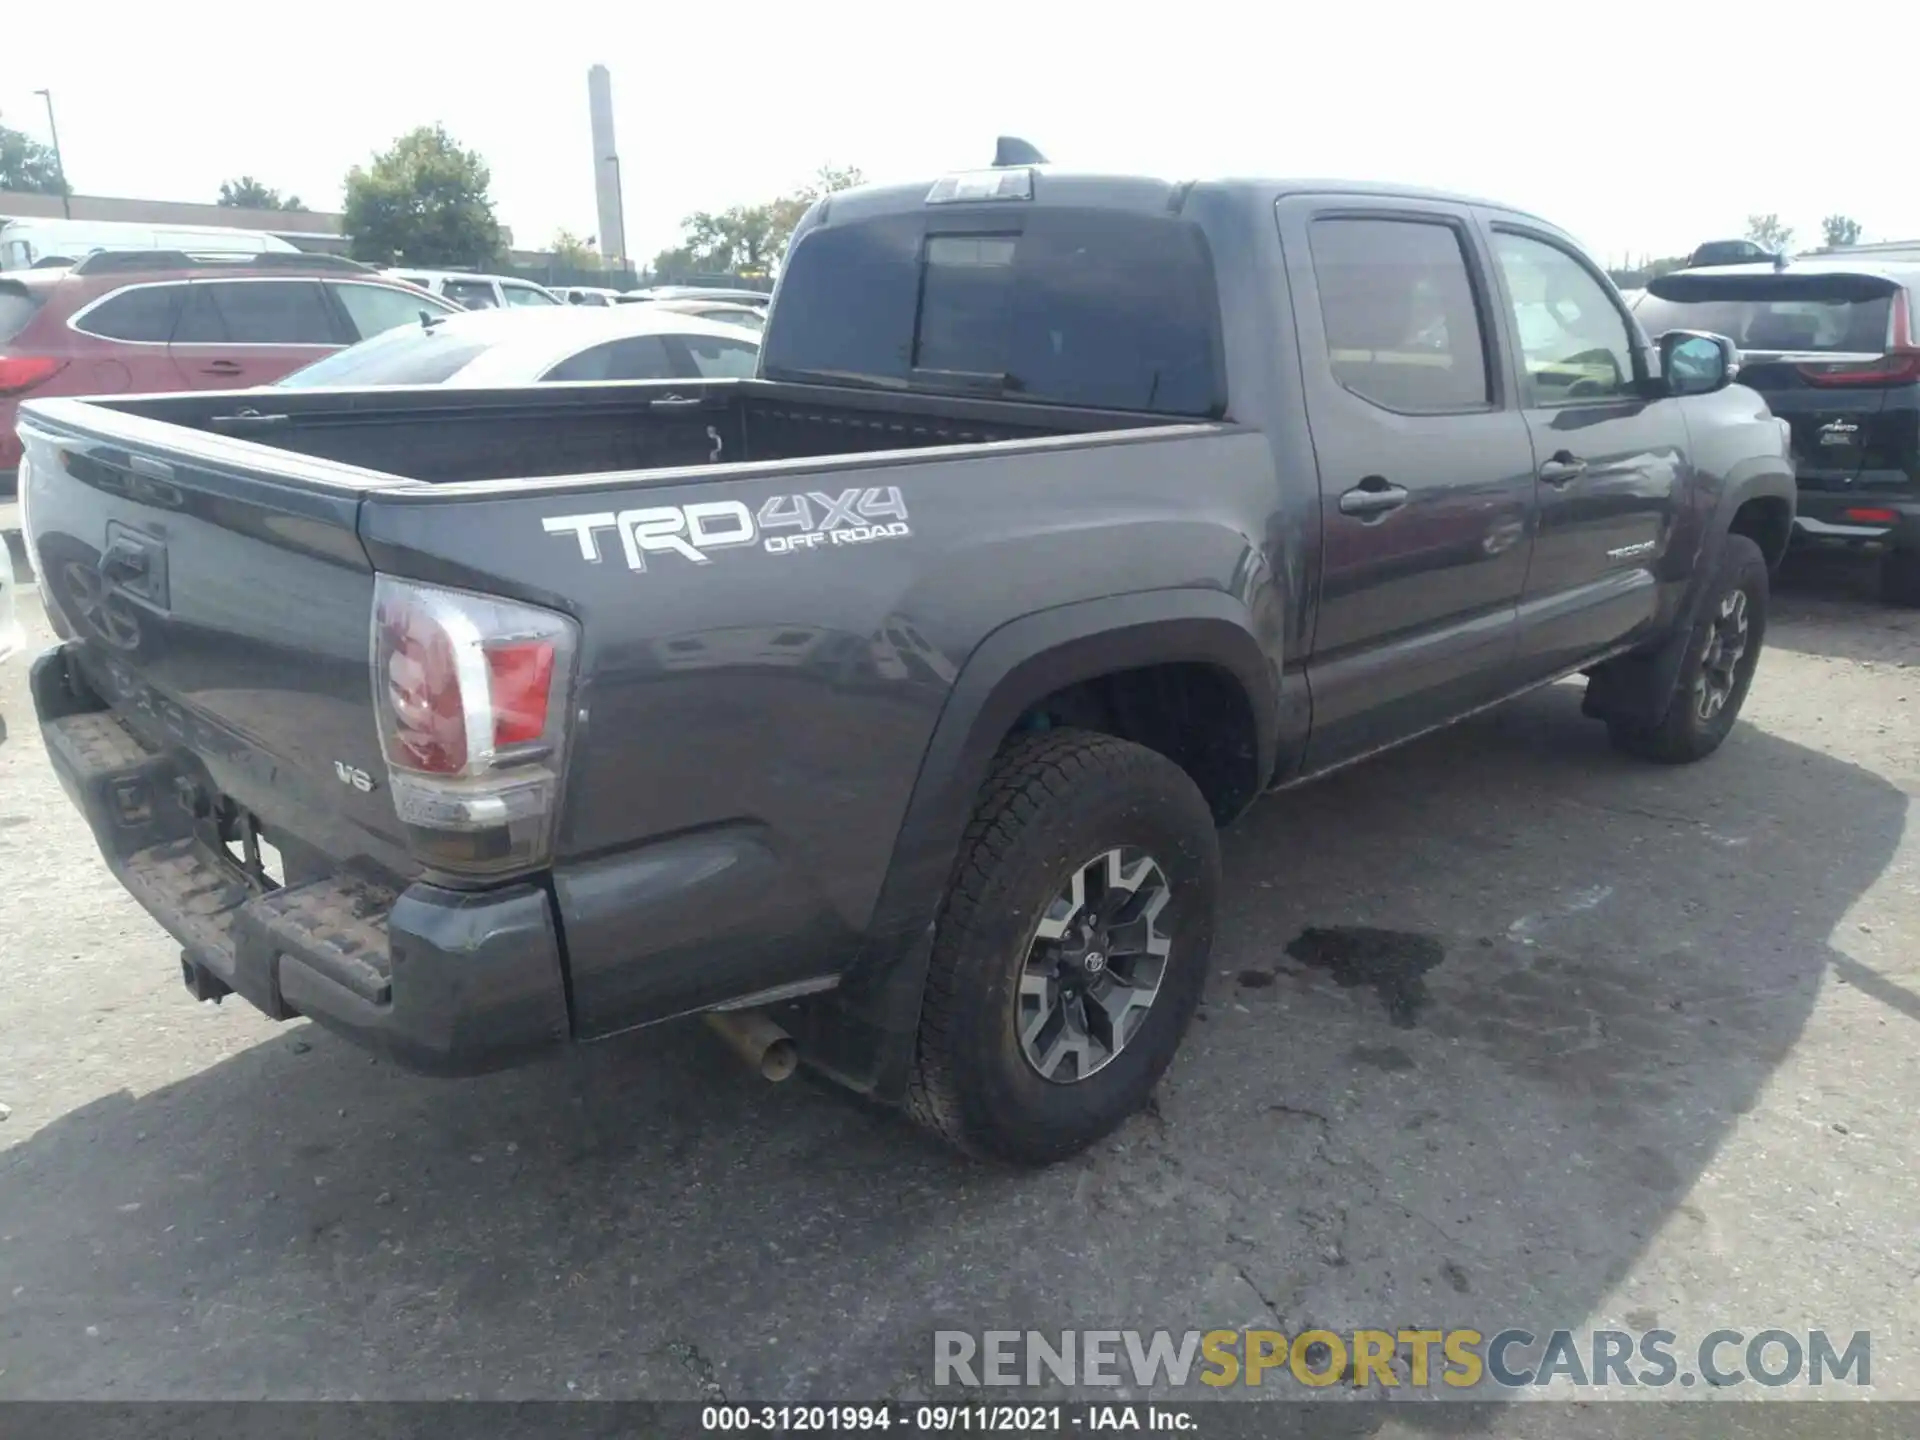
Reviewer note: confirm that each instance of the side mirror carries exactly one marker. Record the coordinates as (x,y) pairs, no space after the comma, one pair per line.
(1695,363)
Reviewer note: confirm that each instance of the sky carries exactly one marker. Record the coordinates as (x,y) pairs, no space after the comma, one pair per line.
(1641,128)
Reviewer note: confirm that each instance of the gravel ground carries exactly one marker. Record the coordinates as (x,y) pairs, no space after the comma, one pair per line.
(1505,1030)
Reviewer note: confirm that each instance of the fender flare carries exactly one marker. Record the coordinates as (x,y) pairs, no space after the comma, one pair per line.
(1641,686)
(863,1033)
(1766,477)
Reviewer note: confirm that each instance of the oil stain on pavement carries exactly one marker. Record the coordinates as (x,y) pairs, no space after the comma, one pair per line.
(1393,963)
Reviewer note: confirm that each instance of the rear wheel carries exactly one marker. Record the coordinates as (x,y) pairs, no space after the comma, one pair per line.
(1717,669)
(1071,950)
(1900,577)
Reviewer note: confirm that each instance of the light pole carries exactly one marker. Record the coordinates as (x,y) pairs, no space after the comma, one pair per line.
(59,165)
(619,207)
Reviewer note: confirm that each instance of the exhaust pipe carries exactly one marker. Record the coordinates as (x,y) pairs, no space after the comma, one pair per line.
(757,1040)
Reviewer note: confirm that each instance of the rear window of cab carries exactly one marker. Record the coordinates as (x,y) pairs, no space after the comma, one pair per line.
(1103,309)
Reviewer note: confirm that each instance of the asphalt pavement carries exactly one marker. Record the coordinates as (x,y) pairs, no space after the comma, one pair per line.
(1505,1030)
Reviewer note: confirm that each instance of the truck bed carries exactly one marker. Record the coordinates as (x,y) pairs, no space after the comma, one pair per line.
(436,435)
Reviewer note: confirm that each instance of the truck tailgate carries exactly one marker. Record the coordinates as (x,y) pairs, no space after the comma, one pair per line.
(224,612)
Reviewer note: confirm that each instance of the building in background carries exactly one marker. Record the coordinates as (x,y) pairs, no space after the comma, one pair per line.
(606,168)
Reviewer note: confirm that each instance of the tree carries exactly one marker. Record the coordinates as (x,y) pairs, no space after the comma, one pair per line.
(747,240)
(247,193)
(1634,276)
(1840,231)
(27,165)
(1767,232)
(574,253)
(424,201)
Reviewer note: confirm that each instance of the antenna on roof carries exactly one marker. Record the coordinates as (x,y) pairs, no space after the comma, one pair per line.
(1011,150)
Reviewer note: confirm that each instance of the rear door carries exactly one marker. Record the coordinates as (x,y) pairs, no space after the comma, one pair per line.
(237,333)
(1833,354)
(1426,472)
(126,333)
(1610,457)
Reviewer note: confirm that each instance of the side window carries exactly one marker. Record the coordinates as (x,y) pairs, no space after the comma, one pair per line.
(474,294)
(256,312)
(1397,301)
(375,309)
(717,359)
(638,357)
(1574,344)
(145,314)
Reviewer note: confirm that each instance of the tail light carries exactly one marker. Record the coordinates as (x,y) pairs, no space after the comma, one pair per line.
(1899,366)
(20,373)
(471,697)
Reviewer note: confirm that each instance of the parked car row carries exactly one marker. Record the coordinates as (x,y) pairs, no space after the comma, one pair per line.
(138,322)
(502,348)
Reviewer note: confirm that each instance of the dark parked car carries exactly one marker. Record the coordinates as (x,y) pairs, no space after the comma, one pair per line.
(144,321)
(1832,344)
(887,701)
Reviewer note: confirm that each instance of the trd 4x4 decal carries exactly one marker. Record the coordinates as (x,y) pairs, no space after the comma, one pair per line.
(815,520)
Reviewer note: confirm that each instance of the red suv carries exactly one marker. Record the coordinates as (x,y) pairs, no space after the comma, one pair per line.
(136,322)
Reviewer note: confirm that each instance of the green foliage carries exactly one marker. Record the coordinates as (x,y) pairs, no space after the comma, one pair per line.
(573,253)
(423,202)
(1767,232)
(1840,231)
(747,240)
(247,193)
(27,165)
(1635,277)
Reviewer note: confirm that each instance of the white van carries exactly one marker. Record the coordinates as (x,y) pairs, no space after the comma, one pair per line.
(26,244)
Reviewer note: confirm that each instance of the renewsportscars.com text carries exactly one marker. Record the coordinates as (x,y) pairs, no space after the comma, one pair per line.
(1390,1359)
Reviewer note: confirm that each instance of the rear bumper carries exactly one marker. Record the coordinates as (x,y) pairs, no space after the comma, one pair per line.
(441,981)
(1827,517)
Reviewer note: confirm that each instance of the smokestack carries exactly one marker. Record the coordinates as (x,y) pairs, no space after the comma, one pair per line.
(606,167)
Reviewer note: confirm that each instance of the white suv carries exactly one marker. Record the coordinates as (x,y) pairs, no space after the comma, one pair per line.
(478,292)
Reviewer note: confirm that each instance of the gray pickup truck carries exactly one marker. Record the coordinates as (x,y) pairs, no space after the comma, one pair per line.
(885,705)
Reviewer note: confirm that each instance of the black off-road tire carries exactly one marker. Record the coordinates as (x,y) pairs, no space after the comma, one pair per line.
(1684,734)
(1054,801)
(1900,578)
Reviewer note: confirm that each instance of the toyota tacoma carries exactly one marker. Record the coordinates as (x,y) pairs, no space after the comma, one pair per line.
(885,704)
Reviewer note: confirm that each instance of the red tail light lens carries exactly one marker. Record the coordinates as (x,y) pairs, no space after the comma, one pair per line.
(1896,367)
(470,694)
(520,677)
(1899,366)
(19,373)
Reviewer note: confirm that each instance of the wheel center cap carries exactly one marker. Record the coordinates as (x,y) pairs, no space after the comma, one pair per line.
(1094,962)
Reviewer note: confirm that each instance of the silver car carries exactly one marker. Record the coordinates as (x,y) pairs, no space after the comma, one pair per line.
(525,347)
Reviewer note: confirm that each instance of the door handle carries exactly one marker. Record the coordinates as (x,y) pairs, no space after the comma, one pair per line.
(675,402)
(1562,469)
(223,367)
(1372,498)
